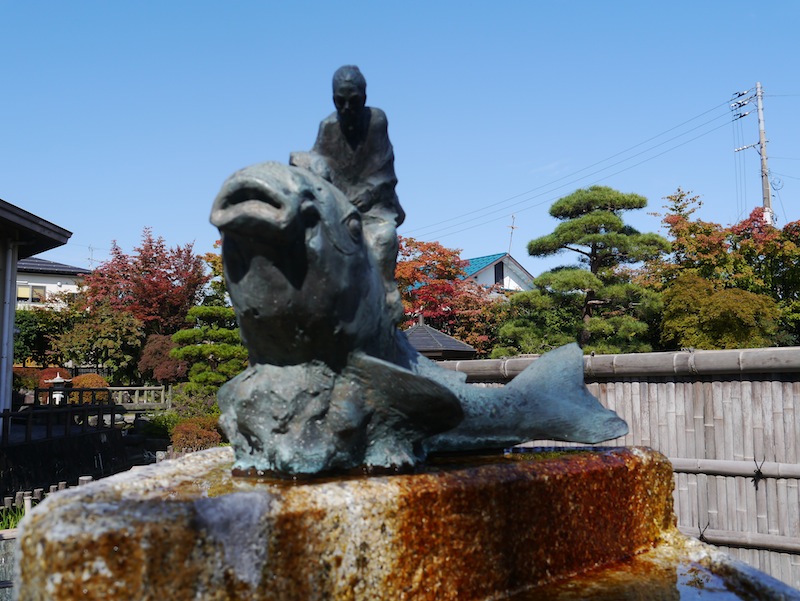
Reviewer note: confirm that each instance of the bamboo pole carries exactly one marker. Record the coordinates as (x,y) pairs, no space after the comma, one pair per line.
(747,540)
(644,401)
(721,467)
(790,442)
(740,403)
(680,363)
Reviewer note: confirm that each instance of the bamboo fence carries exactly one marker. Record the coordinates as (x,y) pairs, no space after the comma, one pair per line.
(730,423)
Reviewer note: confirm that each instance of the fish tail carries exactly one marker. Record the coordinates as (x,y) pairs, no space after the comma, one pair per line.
(554,383)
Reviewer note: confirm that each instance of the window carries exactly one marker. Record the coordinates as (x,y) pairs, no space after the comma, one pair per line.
(499,273)
(30,294)
(23,294)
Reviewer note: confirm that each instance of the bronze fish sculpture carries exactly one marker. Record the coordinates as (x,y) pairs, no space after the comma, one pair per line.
(332,384)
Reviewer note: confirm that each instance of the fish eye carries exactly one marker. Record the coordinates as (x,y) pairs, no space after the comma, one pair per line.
(353,225)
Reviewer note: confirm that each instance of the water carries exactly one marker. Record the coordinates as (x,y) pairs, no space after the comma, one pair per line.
(658,575)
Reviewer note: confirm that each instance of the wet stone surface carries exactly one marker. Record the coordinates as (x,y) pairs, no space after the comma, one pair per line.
(474,528)
(678,569)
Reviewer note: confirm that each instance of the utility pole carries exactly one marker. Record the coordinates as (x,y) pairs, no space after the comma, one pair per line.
(762,143)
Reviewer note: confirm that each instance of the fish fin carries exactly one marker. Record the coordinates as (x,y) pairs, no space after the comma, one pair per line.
(431,406)
(559,370)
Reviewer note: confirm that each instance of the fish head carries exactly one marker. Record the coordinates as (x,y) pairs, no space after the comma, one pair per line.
(299,272)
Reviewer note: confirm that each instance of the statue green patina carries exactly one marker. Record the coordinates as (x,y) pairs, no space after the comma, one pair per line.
(309,252)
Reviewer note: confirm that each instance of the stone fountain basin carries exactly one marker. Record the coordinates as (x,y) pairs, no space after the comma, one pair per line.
(581,524)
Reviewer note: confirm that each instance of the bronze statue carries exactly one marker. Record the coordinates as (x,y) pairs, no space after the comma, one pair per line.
(353,152)
(332,384)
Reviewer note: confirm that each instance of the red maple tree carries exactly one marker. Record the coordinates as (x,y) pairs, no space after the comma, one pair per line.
(158,285)
(429,277)
(431,281)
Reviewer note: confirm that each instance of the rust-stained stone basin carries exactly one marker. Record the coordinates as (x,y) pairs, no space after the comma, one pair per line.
(521,526)
(678,568)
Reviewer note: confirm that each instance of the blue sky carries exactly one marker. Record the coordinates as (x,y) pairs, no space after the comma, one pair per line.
(121,115)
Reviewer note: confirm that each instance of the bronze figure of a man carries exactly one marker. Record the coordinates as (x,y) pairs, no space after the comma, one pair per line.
(353,152)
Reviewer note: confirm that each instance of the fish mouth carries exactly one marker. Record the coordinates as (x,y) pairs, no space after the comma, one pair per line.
(248,203)
(251,193)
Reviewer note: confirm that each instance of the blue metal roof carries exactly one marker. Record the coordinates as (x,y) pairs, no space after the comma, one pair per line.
(475,265)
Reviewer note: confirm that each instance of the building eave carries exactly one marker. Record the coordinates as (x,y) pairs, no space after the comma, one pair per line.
(33,234)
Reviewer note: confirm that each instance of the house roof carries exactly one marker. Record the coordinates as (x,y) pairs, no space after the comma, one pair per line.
(33,234)
(432,343)
(477,264)
(37,265)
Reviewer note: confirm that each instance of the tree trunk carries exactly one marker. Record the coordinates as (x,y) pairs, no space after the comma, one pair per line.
(584,335)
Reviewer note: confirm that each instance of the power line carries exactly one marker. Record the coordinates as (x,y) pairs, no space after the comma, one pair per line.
(736,127)
(740,158)
(433,228)
(443,231)
(783,174)
(783,209)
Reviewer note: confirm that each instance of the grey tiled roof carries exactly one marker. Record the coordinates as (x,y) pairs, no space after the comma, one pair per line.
(431,342)
(37,265)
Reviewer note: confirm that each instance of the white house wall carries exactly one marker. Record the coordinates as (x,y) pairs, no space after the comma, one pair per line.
(511,284)
(511,281)
(53,284)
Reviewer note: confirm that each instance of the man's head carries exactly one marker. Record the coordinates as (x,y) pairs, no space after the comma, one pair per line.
(349,94)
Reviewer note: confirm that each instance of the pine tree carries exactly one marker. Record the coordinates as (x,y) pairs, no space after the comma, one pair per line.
(614,311)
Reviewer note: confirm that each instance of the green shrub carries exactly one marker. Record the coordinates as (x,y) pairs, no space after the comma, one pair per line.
(500,352)
(188,402)
(26,378)
(11,517)
(196,434)
(161,425)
